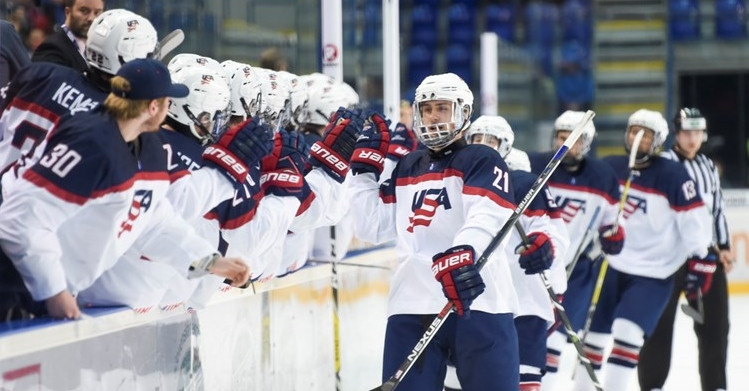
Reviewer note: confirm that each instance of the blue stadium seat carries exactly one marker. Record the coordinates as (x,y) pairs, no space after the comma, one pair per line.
(423,26)
(730,19)
(461,23)
(684,19)
(420,64)
(372,33)
(541,20)
(459,59)
(577,24)
(501,19)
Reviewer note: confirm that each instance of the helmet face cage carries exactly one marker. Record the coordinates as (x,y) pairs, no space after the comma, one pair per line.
(245,82)
(568,121)
(652,120)
(275,94)
(445,87)
(496,127)
(205,111)
(118,36)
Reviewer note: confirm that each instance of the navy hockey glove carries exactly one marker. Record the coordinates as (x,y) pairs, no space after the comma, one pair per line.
(460,279)
(611,243)
(282,168)
(333,152)
(699,275)
(402,142)
(239,148)
(537,255)
(372,147)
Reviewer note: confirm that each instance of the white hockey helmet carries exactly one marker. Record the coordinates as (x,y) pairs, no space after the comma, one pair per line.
(352,97)
(205,110)
(245,83)
(446,87)
(324,101)
(652,120)
(568,122)
(192,60)
(517,160)
(118,36)
(276,92)
(493,126)
(298,98)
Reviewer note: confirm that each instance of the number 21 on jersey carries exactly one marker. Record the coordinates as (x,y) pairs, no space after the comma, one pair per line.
(502,180)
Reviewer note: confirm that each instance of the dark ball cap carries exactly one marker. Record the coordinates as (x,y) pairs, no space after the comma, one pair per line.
(149,79)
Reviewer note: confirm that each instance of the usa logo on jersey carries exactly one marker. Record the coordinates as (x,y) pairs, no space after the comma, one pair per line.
(570,207)
(424,206)
(141,203)
(634,204)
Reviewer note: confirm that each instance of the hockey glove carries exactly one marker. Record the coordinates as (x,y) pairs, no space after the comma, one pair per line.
(282,168)
(372,147)
(402,142)
(239,148)
(611,243)
(460,279)
(699,275)
(333,152)
(537,255)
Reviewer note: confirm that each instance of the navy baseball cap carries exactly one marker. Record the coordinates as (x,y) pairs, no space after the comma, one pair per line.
(149,79)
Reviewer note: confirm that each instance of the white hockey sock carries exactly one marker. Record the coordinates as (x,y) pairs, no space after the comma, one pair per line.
(554,346)
(593,347)
(625,354)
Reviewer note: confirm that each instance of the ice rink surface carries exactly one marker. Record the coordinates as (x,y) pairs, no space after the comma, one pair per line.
(684,375)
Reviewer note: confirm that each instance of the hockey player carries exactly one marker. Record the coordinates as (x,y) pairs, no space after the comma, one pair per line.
(542,218)
(666,222)
(581,186)
(38,97)
(690,127)
(100,189)
(443,206)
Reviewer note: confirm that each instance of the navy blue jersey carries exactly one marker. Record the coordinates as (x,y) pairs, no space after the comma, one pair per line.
(665,218)
(35,102)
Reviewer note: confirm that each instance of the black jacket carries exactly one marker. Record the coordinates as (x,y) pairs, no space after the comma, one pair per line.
(59,49)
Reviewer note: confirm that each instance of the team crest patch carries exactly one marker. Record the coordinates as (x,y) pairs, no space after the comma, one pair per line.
(141,203)
(634,204)
(570,207)
(424,206)
(132,25)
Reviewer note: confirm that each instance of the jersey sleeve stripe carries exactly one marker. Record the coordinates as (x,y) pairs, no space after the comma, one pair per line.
(51,187)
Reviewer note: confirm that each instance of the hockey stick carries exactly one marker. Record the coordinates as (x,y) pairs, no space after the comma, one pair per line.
(698,314)
(583,243)
(336,328)
(439,320)
(619,214)
(313,262)
(565,319)
(169,43)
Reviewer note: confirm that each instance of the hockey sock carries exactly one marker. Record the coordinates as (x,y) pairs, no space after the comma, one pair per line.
(593,349)
(625,354)
(554,346)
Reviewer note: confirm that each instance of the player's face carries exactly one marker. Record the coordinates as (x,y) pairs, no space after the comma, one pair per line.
(79,17)
(689,141)
(574,152)
(647,138)
(158,108)
(486,139)
(436,112)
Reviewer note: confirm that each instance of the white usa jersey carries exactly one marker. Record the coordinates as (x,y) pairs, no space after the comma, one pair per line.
(665,219)
(593,187)
(433,201)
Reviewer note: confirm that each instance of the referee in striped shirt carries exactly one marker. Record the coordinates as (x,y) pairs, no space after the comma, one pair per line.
(712,335)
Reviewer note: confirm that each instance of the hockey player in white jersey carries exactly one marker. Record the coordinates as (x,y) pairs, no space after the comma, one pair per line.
(442,206)
(586,191)
(542,218)
(666,220)
(99,189)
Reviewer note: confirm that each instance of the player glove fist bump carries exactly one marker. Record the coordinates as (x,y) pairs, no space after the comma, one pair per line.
(460,279)
(537,255)
(282,168)
(700,275)
(239,148)
(611,241)
(333,152)
(402,142)
(372,147)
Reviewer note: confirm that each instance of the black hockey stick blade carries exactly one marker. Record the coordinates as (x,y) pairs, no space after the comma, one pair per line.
(439,320)
(698,314)
(169,43)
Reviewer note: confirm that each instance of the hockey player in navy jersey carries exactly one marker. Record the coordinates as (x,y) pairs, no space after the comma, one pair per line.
(35,101)
(691,128)
(586,191)
(542,218)
(100,189)
(666,220)
(442,206)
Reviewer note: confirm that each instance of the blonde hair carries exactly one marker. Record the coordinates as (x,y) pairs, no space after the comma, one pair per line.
(122,108)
